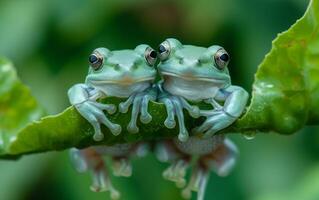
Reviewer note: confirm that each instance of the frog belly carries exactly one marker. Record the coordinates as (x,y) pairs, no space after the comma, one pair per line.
(193,90)
(115,150)
(199,146)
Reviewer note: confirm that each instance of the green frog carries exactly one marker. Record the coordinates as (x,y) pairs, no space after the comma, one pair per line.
(197,74)
(192,75)
(123,74)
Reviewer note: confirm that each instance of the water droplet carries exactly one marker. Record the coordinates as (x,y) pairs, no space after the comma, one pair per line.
(249,135)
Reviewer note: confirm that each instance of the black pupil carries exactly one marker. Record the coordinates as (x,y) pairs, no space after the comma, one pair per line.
(161,49)
(153,54)
(224,57)
(93,59)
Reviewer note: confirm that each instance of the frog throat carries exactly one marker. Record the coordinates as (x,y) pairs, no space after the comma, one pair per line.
(217,81)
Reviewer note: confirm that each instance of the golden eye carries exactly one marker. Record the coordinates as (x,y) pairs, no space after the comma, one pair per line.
(221,58)
(150,56)
(95,60)
(164,50)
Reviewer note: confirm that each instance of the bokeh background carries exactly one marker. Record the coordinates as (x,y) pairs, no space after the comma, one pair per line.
(49,42)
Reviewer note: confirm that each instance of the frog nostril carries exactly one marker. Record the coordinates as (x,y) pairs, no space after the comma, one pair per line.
(190,62)
(117,67)
(134,67)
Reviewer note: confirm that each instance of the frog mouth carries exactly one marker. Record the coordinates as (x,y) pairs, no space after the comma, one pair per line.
(190,77)
(123,81)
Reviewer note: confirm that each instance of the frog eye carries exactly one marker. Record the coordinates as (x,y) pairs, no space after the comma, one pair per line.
(150,56)
(221,59)
(164,50)
(95,60)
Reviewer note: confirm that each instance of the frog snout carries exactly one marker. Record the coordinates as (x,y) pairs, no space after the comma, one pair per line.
(189,62)
(126,68)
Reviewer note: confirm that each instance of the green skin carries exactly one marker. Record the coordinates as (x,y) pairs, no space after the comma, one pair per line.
(123,74)
(191,74)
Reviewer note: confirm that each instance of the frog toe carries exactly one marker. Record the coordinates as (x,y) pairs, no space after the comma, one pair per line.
(183,135)
(217,126)
(116,129)
(204,127)
(194,112)
(132,128)
(123,108)
(122,167)
(112,109)
(170,123)
(115,195)
(146,118)
(180,172)
(101,183)
(78,160)
(197,183)
(98,136)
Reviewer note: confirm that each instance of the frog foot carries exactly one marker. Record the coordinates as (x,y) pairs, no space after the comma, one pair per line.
(225,157)
(142,149)
(78,160)
(174,106)
(176,173)
(101,183)
(122,167)
(93,112)
(216,120)
(197,184)
(139,104)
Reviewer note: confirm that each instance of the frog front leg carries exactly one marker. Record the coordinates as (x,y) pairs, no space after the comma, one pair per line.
(83,98)
(235,99)
(139,102)
(174,106)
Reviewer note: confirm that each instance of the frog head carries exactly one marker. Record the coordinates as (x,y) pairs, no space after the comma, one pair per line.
(122,73)
(193,72)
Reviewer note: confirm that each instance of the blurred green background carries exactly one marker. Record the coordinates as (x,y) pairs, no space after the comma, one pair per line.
(49,42)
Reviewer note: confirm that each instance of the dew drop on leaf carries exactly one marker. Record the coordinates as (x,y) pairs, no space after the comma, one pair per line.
(249,135)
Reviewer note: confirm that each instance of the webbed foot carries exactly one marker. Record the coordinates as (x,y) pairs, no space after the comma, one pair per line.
(101,183)
(197,184)
(139,104)
(176,173)
(122,167)
(224,158)
(216,120)
(174,106)
(90,160)
(78,160)
(93,112)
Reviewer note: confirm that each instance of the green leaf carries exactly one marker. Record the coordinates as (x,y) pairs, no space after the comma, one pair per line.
(17,106)
(286,90)
(285,98)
